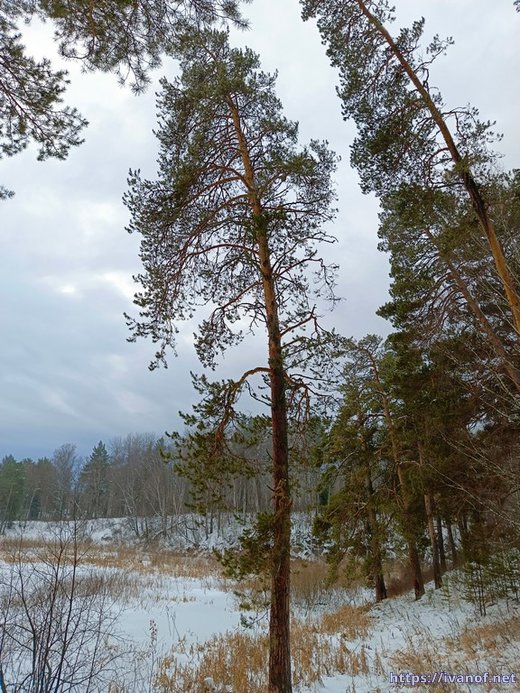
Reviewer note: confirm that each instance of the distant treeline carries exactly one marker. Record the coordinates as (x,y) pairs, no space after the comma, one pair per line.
(133,477)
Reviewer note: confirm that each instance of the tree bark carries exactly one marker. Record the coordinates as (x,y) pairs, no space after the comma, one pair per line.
(436,564)
(409,534)
(279,628)
(442,551)
(428,507)
(453,546)
(376,562)
(481,317)
(279,677)
(462,524)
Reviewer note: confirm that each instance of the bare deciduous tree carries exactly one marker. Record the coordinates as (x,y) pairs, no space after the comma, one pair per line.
(57,623)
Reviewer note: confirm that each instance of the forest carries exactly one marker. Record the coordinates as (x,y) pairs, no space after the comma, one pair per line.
(400,451)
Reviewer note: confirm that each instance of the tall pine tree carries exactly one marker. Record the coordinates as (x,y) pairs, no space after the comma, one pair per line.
(233,223)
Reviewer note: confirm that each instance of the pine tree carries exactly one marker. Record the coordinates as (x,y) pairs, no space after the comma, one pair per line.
(120,36)
(442,275)
(458,374)
(128,37)
(407,135)
(233,223)
(12,488)
(31,97)
(434,412)
(94,483)
(375,363)
(353,516)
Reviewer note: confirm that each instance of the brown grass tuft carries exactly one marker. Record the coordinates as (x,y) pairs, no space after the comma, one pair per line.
(351,621)
(488,638)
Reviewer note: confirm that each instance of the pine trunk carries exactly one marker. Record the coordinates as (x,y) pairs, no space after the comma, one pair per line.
(376,563)
(481,317)
(473,190)
(428,507)
(279,622)
(442,551)
(453,547)
(415,564)
(279,676)
(379,583)
(436,564)
(409,534)
(279,633)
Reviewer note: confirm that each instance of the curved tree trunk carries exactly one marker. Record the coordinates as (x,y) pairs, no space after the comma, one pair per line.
(462,168)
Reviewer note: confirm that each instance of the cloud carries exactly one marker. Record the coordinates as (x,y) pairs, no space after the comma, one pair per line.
(67,373)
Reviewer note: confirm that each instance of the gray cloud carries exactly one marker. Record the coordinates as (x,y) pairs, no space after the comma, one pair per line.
(67,373)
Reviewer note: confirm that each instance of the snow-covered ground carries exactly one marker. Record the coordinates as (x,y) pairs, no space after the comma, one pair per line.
(183,532)
(165,611)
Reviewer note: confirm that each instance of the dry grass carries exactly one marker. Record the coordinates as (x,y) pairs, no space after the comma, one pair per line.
(424,658)
(400,578)
(321,646)
(350,621)
(309,579)
(239,660)
(311,585)
(482,647)
(489,638)
(160,561)
(127,572)
(235,659)
(316,655)
(311,588)
(163,561)
(13,549)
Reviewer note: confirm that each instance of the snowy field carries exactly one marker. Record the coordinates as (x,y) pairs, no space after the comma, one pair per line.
(171,623)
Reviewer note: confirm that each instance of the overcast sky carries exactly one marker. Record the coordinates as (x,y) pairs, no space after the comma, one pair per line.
(67,373)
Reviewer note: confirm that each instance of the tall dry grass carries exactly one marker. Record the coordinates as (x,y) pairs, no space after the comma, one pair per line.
(491,647)
(238,661)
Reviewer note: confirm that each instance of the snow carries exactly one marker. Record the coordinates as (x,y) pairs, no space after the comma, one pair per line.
(181,608)
(185,532)
(159,611)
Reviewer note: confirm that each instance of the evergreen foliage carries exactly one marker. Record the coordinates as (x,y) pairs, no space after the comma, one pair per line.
(355,515)
(120,36)
(12,487)
(31,98)
(128,37)
(407,136)
(93,482)
(233,225)
(491,577)
(426,437)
